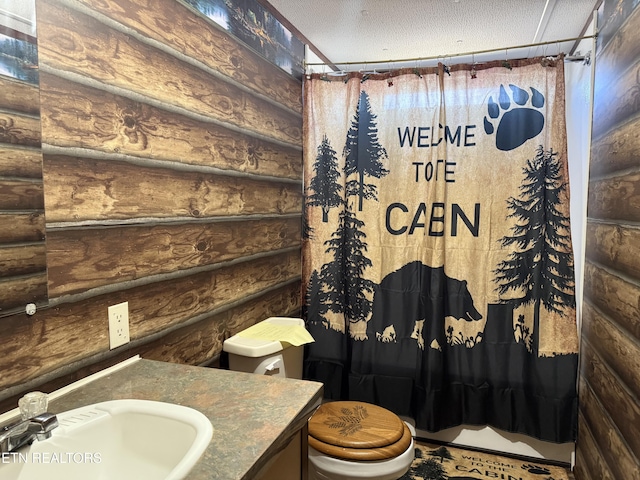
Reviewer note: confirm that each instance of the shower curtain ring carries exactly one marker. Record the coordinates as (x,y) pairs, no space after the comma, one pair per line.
(474,74)
(506,63)
(545,60)
(417,69)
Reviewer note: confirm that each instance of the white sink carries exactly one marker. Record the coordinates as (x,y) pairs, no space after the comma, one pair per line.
(119,440)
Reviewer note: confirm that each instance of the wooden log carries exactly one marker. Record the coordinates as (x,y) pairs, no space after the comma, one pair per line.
(111,123)
(612,447)
(70,332)
(200,342)
(180,345)
(580,471)
(21,195)
(616,198)
(617,101)
(18,291)
(79,189)
(199,38)
(610,19)
(620,404)
(78,44)
(19,96)
(18,161)
(620,352)
(22,259)
(616,151)
(8,401)
(615,246)
(19,129)
(614,296)
(621,53)
(79,260)
(590,452)
(21,227)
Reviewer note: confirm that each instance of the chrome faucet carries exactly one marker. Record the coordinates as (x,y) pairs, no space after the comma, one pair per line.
(24,432)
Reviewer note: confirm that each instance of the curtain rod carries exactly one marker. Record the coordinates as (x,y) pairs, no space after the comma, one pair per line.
(421,59)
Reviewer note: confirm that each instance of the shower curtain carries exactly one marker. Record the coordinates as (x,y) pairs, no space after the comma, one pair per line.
(437,258)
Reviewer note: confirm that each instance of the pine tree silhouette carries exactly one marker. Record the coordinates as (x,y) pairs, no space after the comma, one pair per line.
(307,230)
(428,470)
(327,192)
(541,264)
(442,453)
(345,288)
(315,305)
(363,152)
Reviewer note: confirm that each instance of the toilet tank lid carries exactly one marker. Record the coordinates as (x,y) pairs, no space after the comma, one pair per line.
(255,347)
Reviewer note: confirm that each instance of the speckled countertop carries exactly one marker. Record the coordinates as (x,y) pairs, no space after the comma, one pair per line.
(253,416)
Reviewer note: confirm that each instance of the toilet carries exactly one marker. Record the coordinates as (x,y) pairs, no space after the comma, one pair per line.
(356,440)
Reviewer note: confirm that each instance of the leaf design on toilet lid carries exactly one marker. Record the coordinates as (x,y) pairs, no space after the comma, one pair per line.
(350,421)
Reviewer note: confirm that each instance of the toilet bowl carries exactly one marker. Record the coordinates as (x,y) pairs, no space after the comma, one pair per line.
(355,440)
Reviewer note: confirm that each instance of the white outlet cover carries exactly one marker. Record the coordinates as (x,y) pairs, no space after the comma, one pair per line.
(118,325)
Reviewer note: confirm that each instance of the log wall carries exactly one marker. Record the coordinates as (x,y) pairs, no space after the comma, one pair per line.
(23,269)
(608,444)
(172,167)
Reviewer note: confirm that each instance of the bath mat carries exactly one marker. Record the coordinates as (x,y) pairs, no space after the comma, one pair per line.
(438,462)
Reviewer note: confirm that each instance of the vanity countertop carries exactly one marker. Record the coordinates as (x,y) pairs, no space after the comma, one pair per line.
(253,416)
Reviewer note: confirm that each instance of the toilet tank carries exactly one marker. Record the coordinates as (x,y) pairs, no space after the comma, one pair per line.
(266,357)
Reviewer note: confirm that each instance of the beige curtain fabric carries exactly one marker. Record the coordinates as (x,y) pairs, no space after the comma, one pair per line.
(437,217)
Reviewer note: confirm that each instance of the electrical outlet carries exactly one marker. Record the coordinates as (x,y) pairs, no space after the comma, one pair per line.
(118,325)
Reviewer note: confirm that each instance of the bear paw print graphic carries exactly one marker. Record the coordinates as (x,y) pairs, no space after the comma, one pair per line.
(517,124)
(537,470)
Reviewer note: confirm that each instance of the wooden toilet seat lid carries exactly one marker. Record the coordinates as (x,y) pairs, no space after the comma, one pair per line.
(364,454)
(357,430)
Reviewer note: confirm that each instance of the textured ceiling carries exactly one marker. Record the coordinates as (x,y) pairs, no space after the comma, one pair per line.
(372,31)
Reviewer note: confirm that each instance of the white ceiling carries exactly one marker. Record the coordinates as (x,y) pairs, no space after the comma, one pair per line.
(376,31)
(19,15)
